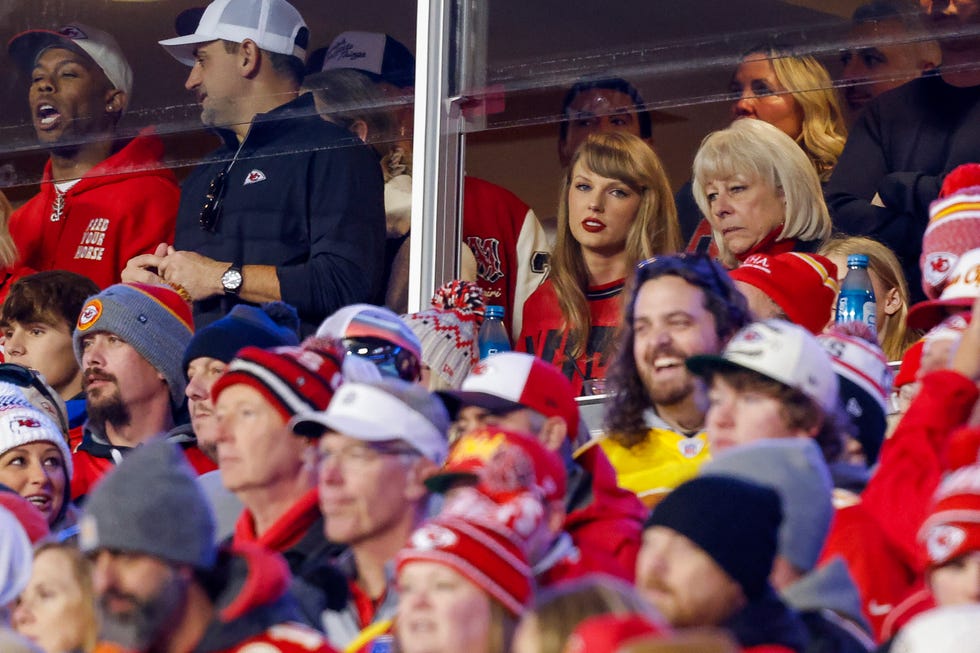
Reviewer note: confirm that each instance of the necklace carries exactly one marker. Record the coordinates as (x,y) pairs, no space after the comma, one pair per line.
(58,206)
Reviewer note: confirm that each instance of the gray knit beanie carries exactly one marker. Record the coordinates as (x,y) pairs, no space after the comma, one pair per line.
(151,504)
(154,320)
(795,469)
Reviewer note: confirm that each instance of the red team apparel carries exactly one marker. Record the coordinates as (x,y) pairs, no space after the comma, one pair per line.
(124,206)
(545,331)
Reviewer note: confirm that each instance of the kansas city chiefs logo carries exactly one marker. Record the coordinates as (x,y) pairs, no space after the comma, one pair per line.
(937,267)
(254,177)
(943,540)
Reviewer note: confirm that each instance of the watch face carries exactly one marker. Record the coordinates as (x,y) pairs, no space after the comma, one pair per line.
(231,280)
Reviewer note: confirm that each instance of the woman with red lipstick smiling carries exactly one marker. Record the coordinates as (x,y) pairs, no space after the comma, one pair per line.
(615,209)
(759,192)
(34,458)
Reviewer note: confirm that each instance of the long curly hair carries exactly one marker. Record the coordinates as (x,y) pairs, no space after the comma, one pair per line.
(624,413)
(824,130)
(655,230)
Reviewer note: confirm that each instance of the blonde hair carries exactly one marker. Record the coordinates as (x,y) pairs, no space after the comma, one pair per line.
(655,230)
(8,248)
(82,575)
(893,335)
(559,611)
(758,151)
(824,130)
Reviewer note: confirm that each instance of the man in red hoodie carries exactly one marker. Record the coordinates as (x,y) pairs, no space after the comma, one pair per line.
(103,200)
(519,392)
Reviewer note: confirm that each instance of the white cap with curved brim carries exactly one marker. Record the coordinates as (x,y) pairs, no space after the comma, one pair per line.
(781,351)
(368,413)
(274,26)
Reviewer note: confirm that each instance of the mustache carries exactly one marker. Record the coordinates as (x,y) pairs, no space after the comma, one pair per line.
(94,374)
(663,350)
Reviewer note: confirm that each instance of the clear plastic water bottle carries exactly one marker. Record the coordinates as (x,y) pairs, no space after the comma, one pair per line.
(493,333)
(856,301)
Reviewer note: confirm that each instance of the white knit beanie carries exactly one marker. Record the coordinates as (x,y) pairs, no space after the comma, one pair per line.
(448,331)
(22,423)
(15,557)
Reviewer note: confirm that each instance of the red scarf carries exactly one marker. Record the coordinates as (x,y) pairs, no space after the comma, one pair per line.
(288,529)
(770,245)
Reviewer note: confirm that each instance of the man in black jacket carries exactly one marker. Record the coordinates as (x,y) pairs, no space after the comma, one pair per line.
(290,207)
(707,552)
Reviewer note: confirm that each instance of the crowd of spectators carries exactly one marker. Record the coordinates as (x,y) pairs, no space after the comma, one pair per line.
(220,432)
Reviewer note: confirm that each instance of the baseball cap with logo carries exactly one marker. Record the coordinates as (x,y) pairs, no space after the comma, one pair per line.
(99,46)
(781,351)
(502,463)
(274,26)
(512,380)
(391,409)
(804,286)
(379,55)
(962,288)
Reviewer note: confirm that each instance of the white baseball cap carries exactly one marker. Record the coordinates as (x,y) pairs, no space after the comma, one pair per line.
(781,351)
(100,46)
(372,413)
(274,25)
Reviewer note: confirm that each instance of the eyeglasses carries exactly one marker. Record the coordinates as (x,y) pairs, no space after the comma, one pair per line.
(358,457)
(211,210)
(390,359)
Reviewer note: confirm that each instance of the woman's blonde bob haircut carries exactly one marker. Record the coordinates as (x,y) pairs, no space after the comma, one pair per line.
(655,230)
(757,151)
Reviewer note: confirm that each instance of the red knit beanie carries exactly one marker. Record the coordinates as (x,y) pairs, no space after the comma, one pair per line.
(953,526)
(803,285)
(488,557)
(953,229)
(293,379)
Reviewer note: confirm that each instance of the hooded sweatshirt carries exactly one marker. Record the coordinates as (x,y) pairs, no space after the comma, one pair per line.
(95,456)
(254,610)
(124,206)
(603,517)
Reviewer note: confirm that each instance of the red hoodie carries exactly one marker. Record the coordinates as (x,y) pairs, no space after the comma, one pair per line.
(124,206)
(604,517)
(876,536)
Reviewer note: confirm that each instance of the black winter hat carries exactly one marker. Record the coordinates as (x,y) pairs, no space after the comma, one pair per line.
(734,521)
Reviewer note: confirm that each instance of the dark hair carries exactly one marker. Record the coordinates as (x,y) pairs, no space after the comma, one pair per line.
(624,415)
(798,410)
(51,297)
(609,84)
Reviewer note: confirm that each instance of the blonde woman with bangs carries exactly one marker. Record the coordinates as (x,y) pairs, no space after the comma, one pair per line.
(795,94)
(615,210)
(758,192)
(891,289)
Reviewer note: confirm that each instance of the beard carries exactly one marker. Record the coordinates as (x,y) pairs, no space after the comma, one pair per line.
(104,404)
(670,392)
(147,621)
